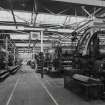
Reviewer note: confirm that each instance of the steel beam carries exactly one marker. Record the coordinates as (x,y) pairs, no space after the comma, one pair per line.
(87,12)
(85,2)
(29,29)
(49,11)
(32,41)
(27,47)
(35,12)
(11,7)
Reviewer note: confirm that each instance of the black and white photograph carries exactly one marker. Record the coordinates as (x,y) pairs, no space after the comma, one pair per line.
(52,52)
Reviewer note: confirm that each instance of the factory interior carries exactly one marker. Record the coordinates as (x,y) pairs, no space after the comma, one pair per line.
(52,52)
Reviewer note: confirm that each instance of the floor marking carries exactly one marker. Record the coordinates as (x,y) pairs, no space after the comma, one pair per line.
(11,95)
(53,83)
(46,89)
(47,81)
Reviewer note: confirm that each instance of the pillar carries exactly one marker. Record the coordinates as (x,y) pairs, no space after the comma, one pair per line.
(41,41)
(33,50)
(14,55)
(6,47)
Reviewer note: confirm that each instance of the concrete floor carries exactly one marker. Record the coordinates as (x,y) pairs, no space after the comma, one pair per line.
(27,88)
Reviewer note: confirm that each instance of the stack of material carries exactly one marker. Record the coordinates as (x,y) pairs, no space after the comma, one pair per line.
(3,74)
(13,69)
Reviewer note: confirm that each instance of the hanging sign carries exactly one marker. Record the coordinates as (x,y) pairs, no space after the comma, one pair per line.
(35,35)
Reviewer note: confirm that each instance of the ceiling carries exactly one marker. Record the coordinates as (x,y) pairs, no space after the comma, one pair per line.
(50,13)
(48,6)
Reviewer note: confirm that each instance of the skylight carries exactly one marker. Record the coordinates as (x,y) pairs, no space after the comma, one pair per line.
(20,36)
(50,19)
(41,18)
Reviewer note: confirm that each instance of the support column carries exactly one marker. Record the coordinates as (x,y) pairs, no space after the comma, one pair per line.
(14,55)
(41,41)
(6,47)
(33,50)
(41,56)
